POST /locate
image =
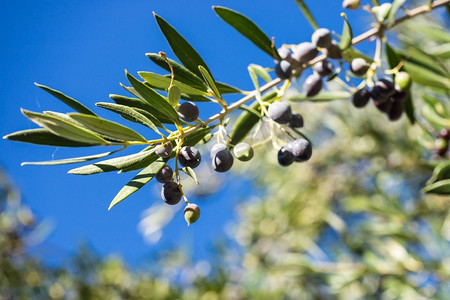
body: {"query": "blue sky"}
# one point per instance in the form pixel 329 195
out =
pixel 82 48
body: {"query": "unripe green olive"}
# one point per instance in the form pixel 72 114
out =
pixel 382 11
pixel 191 213
pixel 243 151
pixel 403 80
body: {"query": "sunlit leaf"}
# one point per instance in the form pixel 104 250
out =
pixel 70 160
pixel 439 187
pixel 396 4
pixel 108 128
pixel 174 95
pixel 427 77
pixel 195 137
pixel 440 172
pixel 130 112
pixel 433 118
pixel 210 81
pixel 143 107
pixel 41 136
pixel 227 89
pixel 153 98
pixel 162 83
pixel 64 129
pixel 188 171
pixel 347 34
pixel 181 48
pixel 261 72
pixel 67 100
pixel 141 179
pixel 324 96
pixel 307 13
pixel 247 28
pixel 113 164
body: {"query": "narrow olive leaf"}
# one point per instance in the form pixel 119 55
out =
pixel 113 164
pixel 41 136
pixel 210 82
pixel 433 118
pixel 63 128
pixel 188 171
pixel 141 179
pixel 307 13
pixel 441 187
pixel 248 119
pixel 162 83
pixel 143 107
pixel 227 89
pixel 347 34
pixel 195 137
pixel 130 112
pixel 261 72
pixel 142 164
pixel 440 34
pixel 440 51
pixel 180 47
pixel 427 77
pixel 324 96
pixel 350 54
pixel 174 95
pixel 440 172
pixel 181 73
pixel 247 28
pixel 67 100
pixel 154 99
pixel 108 128
pixel 421 58
pixel 396 5
pixel 70 160
pixel 394 59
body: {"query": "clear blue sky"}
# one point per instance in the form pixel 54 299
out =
pixel 82 48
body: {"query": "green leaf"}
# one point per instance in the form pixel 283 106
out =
pixel 248 119
pixel 227 89
pixel 441 187
pixel 108 128
pixel 347 34
pixel 396 4
pixel 307 13
pixel 182 73
pixel 67 100
pixel 261 72
pixel 432 32
pixel 324 96
pixel 71 160
pixel 427 77
pixel 247 28
pixel 419 57
pixel 63 128
pixel 433 118
pixel 174 95
pixel 188 171
pixel 394 59
pixel 195 137
pixel 440 172
pixel 113 164
pixel 210 82
pixel 141 179
pixel 154 99
pixel 162 83
pixel 180 47
pixel 41 136
pixel 440 51
pixel 132 113
pixel 143 107
pixel 144 163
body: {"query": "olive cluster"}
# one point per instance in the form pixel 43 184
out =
pixel 298 150
pixel 442 143
pixel 303 53
pixel 388 95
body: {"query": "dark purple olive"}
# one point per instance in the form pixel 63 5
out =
pixel 359 66
pixel 321 38
pixel 304 52
pixel 324 68
pixel 312 85
pixel 165 174
pixel 171 193
pixel 280 112
pixel 301 149
pixel 165 150
pixel 296 121
pixel 283 70
pixel 222 161
pixel 445 134
pixel 189 157
pixel 188 111
pixel 333 51
pixel 361 98
pixel 285 157
pixel 216 148
pixel 396 111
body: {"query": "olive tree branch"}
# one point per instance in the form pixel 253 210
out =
pixel 377 30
